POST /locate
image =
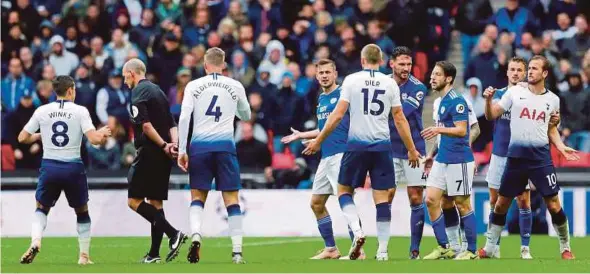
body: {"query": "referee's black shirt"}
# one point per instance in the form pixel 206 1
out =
pixel 150 104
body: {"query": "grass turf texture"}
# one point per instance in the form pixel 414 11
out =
pixel 122 254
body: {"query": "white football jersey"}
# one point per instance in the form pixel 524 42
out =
pixel 371 95
pixel 62 125
pixel 529 122
pixel 214 100
pixel 435 107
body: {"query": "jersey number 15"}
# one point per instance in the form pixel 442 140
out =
pixel 375 100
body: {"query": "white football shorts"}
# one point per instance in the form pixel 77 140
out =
pixel 453 179
pixel 404 173
pixel 326 177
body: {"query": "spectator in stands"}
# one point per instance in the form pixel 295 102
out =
pixel 236 13
pixel 515 19
pixel 574 48
pixel 264 15
pixel 241 69
pixel 26 155
pixel 119 48
pixel 176 92
pixel 167 59
pixel 566 30
pixel 86 91
pixel 111 100
pixel 290 43
pixel 472 17
pixel 142 33
pixel 74 9
pixel 524 50
pixel 292 112
pixel 303 34
pixel 168 10
pixel 72 42
pixel 484 65
pixel 40 45
pixel 575 108
pixel 26 57
pixel 197 32
pixel 15 40
pixel 62 60
pixel 99 23
pixel 45 94
pixel 227 30
pixel 30 15
pixel 253 154
pixel 348 59
pixel 15 85
pixel 273 61
pixel 375 32
pixel 473 93
pixel 48 72
pixel 268 93
pixel 105 156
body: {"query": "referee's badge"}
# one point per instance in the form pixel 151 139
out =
pixel 134 111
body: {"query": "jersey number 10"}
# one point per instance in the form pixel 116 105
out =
pixel 217 112
pixel 375 100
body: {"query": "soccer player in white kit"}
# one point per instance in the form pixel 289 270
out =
pixel 62 124
pixel 370 97
pixel 529 157
pixel 214 101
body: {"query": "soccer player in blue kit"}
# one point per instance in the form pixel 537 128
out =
pixel 370 97
pixel 528 156
pixel 325 181
pixel 412 93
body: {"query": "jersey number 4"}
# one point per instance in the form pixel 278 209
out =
pixel 375 100
pixel 217 112
pixel 60 137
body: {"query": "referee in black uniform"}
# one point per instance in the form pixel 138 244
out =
pixel 149 175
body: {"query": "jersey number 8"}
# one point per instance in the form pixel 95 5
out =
pixel 375 100
pixel 60 137
pixel 217 112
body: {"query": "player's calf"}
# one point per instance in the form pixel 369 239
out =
pixel 561 225
pixel 417 217
pixel 83 228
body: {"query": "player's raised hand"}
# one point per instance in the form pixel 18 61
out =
pixel 312 147
pixel 292 137
pixel 183 162
pixel 489 92
pixel 555 118
pixel 414 158
pixel 429 133
pixel 106 131
pixel 569 153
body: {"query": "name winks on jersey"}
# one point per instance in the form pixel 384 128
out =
pixel 60 114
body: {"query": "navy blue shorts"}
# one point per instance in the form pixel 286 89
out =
pixel 519 171
pixel 221 166
pixel 356 164
pixel 56 176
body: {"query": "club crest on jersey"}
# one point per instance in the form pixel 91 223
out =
pixel 333 101
pixel 460 108
pixel 442 110
pixel 404 96
pixel 526 114
pixel 419 95
pixel 547 106
pixel 134 111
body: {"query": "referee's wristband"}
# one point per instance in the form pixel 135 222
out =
pixel 163 145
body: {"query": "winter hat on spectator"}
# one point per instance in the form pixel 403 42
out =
pixel 56 39
pixel 289 74
pixel 46 24
pixel 116 73
pixel 183 71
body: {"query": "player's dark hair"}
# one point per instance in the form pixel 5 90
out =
pixel 62 83
pixel 448 69
pixel 518 59
pixel 323 62
pixel 399 51
pixel 546 64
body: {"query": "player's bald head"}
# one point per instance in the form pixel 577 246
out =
pixel 215 57
pixel 372 54
pixel 135 65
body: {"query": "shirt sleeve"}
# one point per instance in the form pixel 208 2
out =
pixel 86 121
pixel 506 100
pixel 345 91
pixel 395 96
pixel 413 102
pixel 460 111
pixel 244 112
pixel 186 110
pixel 140 110
pixel 33 125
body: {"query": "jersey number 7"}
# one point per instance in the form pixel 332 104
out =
pixel 217 112
pixel 375 100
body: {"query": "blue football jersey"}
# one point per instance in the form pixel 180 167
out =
pixel 501 129
pixel 412 95
pixel 336 142
pixel 452 150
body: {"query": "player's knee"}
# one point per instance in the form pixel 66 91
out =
pixel 81 209
pixel 553 204
pixel 317 207
pixel 464 207
pixel 523 201
pixel 415 196
pixel 133 203
pixel 432 201
pixel 502 204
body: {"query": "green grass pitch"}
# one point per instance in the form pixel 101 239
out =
pixel 284 255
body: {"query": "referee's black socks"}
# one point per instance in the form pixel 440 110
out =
pixel 150 213
pixel 157 235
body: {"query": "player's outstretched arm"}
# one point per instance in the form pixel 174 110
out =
pixel 98 137
pixel 492 110
pixel 25 137
pixel 297 135
pixel 569 153
pixel 244 111
pixel 402 126
pixel 333 121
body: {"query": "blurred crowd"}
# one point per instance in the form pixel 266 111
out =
pixel 271 47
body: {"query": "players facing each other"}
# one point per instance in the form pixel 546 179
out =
pixel 149 175
pixel 453 167
pixel 516 73
pixel 529 158
pixel 412 93
pixel 62 124
pixel 369 96
pixel 213 100
pixel 326 178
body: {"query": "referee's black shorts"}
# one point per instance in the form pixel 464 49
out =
pixel 149 174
